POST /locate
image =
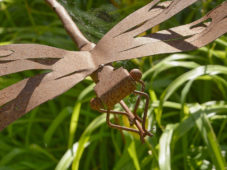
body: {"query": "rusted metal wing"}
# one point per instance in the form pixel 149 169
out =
pixel 122 44
pixel 67 68
pixel 21 57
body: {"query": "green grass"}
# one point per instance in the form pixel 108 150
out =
pixel 188 112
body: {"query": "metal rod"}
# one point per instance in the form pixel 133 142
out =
pixel 74 32
pixel 139 98
pixel 145 110
pixel 132 116
pixel 113 112
pixel 128 111
pixel 118 126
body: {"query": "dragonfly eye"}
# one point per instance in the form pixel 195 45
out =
pixel 136 74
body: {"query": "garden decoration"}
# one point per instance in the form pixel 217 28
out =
pixel 123 42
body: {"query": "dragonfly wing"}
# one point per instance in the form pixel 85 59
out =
pixel 128 45
pixel 32 92
pixel 147 17
pixel 21 57
pixel 20 98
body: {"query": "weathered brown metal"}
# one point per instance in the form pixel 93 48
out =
pixel 123 41
pixel 111 88
pixel 74 32
pixel 120 43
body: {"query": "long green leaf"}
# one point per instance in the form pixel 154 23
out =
pixel 165 148
pixel 133 155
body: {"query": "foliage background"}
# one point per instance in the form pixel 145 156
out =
pixel 188 93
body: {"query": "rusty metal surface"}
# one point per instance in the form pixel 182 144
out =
pixel 119 92
pixel 76 35
pixel 113 85
pixel 23 96
pixel 121 43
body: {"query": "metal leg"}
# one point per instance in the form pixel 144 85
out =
pixel 119 113
pixel 139 97
pixel 113 112
pixel 145 110
pixel 110 124
pixel 135 120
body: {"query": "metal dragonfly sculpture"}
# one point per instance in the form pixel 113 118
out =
pixel 122 42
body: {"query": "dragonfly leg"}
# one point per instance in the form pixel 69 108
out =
pixel 110 124
pixel 142 94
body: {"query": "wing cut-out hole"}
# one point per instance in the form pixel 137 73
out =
pixel 157 6
pixel 75 72
pixel 6 61
pixel 165 37
pixel 202 24
pixel 132 29
pixel 132 48
pixel 5 53
pixel 45 61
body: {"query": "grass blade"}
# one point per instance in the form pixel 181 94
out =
pixel 133 155
pixel 85 139
pixel 210 140
pixel 165 148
